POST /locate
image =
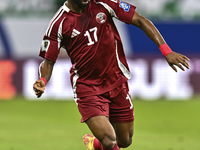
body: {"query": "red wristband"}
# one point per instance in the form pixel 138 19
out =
pixel 165 49
pixel 43 79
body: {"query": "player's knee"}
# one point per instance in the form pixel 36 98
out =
pixel 108 143
pixel 125 142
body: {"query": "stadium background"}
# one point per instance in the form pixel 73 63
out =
pixel 24 22
pixel 166 103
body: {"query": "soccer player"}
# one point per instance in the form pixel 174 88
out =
pixel 99 71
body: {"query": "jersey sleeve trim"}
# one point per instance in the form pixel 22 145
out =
pixel 53 21
pixel 110 10
pixel 60 36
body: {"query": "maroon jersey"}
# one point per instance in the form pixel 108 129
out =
pixel 93 44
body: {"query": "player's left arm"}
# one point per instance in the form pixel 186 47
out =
pixel 152 32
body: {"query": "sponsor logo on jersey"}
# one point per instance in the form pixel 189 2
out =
pixel 101 18
pixel 75 33
pixel 45 45
pixel 125 6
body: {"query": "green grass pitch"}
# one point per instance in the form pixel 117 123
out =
pixel 55 125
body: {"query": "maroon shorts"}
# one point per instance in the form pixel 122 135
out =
pixel 115 104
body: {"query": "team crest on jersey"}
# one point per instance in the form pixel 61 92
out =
pixel 101 18
pixel 125 6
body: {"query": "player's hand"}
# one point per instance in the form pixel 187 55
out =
pixel 39 87
pixel 178 60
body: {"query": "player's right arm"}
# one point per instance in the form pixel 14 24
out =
pixel 49 50
pixel 45 72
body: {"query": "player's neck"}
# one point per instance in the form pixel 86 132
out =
pixel 73 7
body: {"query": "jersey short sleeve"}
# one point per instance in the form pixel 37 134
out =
pixel 120 10
pixel 51 43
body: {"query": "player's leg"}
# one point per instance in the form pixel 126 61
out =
pixel 103 131
pixel 95 113
pixel 122 116
pixel 124 133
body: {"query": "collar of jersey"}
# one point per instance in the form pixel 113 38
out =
pixel 66 8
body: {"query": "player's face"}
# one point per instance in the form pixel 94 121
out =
pixel 82 3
